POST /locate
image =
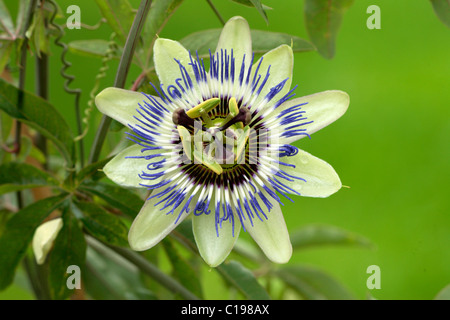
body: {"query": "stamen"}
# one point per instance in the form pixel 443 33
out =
pixel 203 108
pixel 241 143
pixel 209 162
pixel 243 116
pixel 233 107
pixel 179 117
pixel 185 137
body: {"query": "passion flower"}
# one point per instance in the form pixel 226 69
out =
pixel 215 144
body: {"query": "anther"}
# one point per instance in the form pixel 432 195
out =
pixel 243 116
pixel 179 117
pixel 203 108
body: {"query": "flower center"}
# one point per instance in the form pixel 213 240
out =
pixel 218 141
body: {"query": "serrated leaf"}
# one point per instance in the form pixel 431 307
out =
pixel 323 20
pixel 123 199
pixel 119 15
pixel 38 114
pixel 18 233
pixel 321 235
pixel 313 284
pixel 262 41
pixel 69 250
pixel 103 225
pixel 20 176
pixel 182 270
pixel 243 279
pixel 442 10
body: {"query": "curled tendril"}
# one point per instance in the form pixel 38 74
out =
pixel 66 64
pixel 109 55
pixel 69 78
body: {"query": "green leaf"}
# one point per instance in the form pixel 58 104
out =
pixel 20 176
pixel 4 216
pixel 6 23
pixel 249 3
pixel 69 250
pixel 21 16
pixel 184 234
pixel 321 235
pixel 323 19
pixel 262 41
pixel 109 276
pixel 103 225
pixel 18 233
pixel 256 4
pixel 444 294
pixel 6 48
pixel 96 48
pixel 38 114
pixel 119 15
pixel 160 12
pixel 182 270
pixel 93 171
pixel 243 279
pixel 6 124
pixel 7 43
pixel 313 284
pixel 37 33
pixel 123 199
pixel 442 10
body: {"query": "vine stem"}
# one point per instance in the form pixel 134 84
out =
pixel 32 273
pixel 22 72
pixel 145 266
pixel 216 12
pixel 121 75
pixel 42 81
pixel 139 81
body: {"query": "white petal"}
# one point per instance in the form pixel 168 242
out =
pixel 236 36
pixel 125 171
pixel 44 237
pixel 214 249
pixel 321 179
pixel 322 108
pixel 272 235
pixel 152 224
pixel 281 63
pixel 119 104
pixel 165 51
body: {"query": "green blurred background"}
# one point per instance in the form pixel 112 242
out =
pixel 391 148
